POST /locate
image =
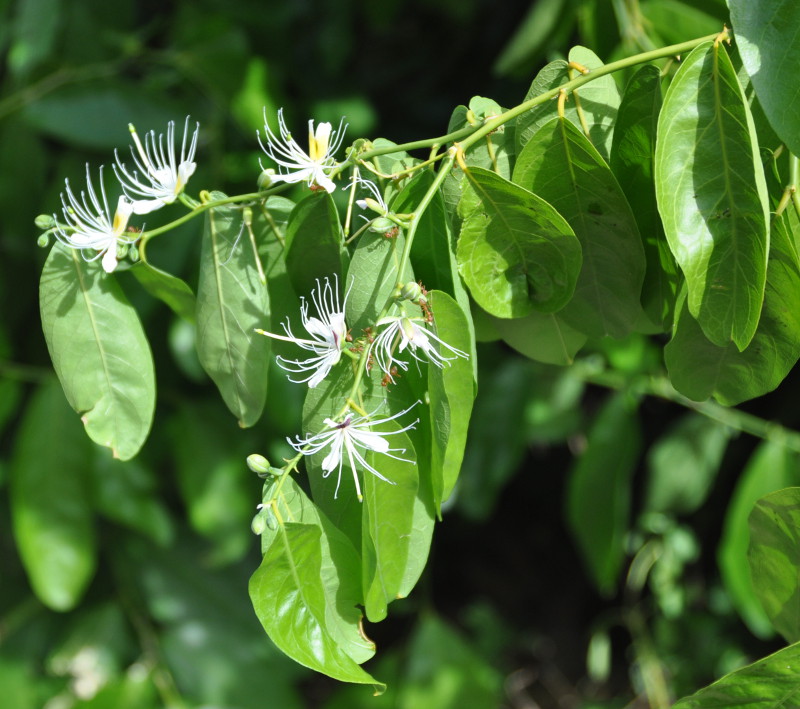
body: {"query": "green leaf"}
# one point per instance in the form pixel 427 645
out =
pixel 168 289
pixel 515 252
pixel 531 36
pixel 774 557
pixel 543 337
pixel 51 501
pixel 712 195
pixel 231 303
pixel 314 243
pixel 598 496
pixel 766 36
pixel 632 157
pixel 770 468
pixel 495 151
pixel 387 525
pixel 771 683
pixel 451 396
pixel 679 21
pixel 549 77
pixel 683 464
pixel 340 570
pixel 99 351
pixel 560 166
pixel 289 600
pixel 699 368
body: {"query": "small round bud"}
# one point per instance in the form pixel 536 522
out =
pixel 45 221
pixel 265 179
pixel 259 523
pixel 411 291
pixel 43 241
pixel 258 464
pixel 381 225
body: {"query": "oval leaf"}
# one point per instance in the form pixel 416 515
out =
pixel 232 302
pixel 712 195
pixel 515 252
pixel 168 289
pixel 99 351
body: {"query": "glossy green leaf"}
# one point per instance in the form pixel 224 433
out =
pixel 699 368
pixel 340 568
pixel 599 490
pixel 712 195
pixel 289 600
pixel 387 522
pixel 451 395
pixel 549 78
pixel 774 557
pixel 167 288
pixel 772 467
pixel 683 464
pixel 515 252
pixel 766 36
pixel 771 683
pixel 543 337
pixel 314 243
pixel 99 351
pixel 231 303
pixel 632 157
pixel 51 501
pixel 562 167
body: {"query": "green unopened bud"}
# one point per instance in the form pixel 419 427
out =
pixel 45 221
pixel 381 225
pixel 265 179
pixel 258 464
pixel 412 291
pixel 259 523
pixel 43 241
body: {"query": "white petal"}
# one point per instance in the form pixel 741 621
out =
pixel 110 259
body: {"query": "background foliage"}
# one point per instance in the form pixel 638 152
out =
pixel 548 583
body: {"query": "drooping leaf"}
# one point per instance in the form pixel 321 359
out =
pixel 766 36
pixel 532 35
pixel 289 600
pixel 598 496
pixel 774 557
pixel 231 303
pixel 99 351
pixel 632 157
pixel 314 243
pixel 51 501
pixel 451 395
pixel 767 684
pixel 167 288
pixel 712 195
pixel 515 252
pixel 770 468
pixel 699 369
pixel 560 165
pixel 543 337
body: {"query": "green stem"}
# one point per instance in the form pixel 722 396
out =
pixel 417 144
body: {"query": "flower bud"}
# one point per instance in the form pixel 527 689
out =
pixel 45 221
pixel 381 225
pixel 258 464
pixel 43 241
pixel 259 523
pixel 265 179
pixel 411 291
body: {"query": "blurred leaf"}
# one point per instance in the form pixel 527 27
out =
pixel 167 288
pixel 531 37
pixel 699 368
pixel 683 464
pixel 560 165
pixel 632 156
pixel 50 501
pixel 770 468
pixel 314 243
pixel 712 195
pixel 231 303
pixel 99 351
pixel 289 601
pixel 35 29
pixel 515 252
pixel 767 684
pixel 599 492
pixel 677 21
pixel 451 395
pixel 774 557
pixel 766 37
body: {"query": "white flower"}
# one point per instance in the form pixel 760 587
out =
pixel 163 178
pixel 311 167
pixel 346 437
pixel 328 332
pixel 404 332
pixel 89 225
